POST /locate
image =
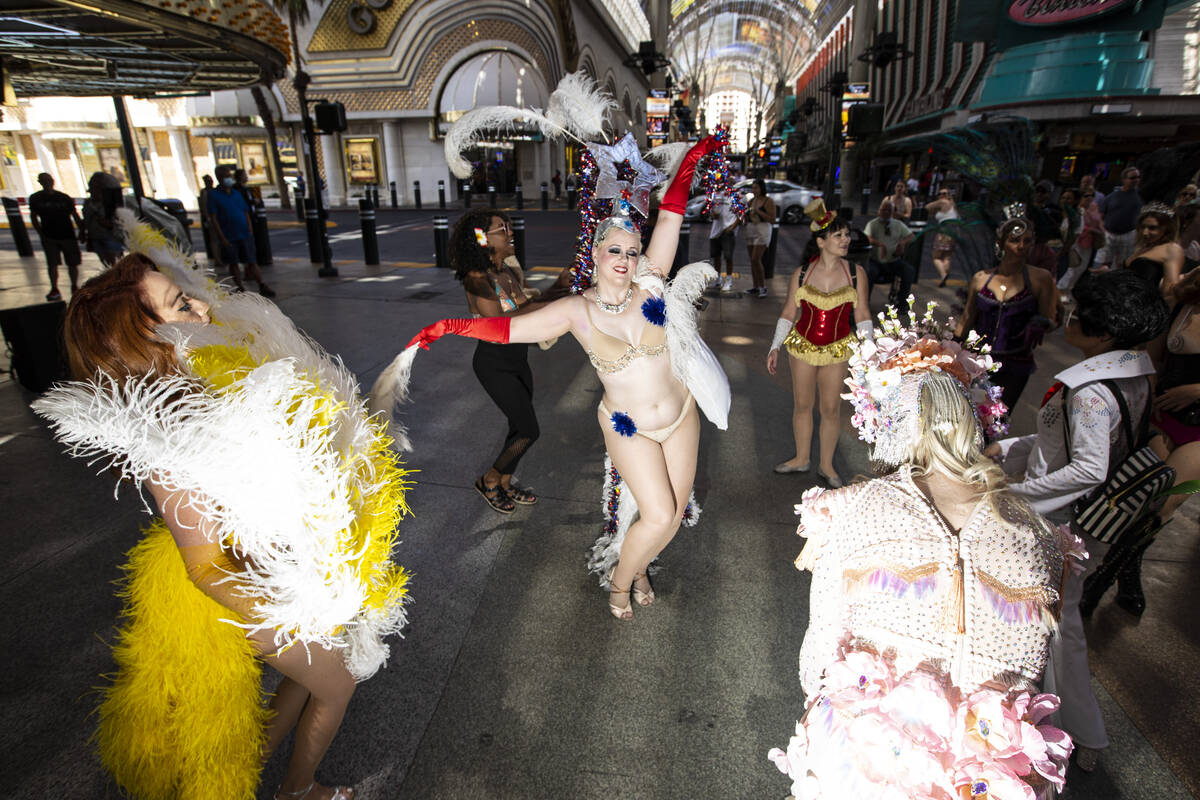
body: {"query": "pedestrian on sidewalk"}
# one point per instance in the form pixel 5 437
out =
pixel 721 239
pixel 889 237
pixel 99 218
pixel 942 209
pixel 60 228
pixel 826 304
pixel 902 204
pixel 1120 210
pixel 481 253
pixel 557 181
pixel 759 217
pixel 1079 435
pixel 229 217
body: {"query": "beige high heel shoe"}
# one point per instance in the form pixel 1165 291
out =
pixel 642 598
pixel 620 612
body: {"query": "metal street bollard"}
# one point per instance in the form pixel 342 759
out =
pixel 866 199
pixel 570 199
pixel 492 194
pixel 518 230
pixel 313 223
pixel 262 236
pixel 545 196
pixel 464 191
pixel 417 194
pixel 769 256
pixel 683 249
pixel 520 196
pixel 16 224
pixel 441 238
pixel 395 200
pixel 442 195
pixel 366 218
pixel 298 194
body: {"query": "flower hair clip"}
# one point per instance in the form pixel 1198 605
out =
pixel 481 237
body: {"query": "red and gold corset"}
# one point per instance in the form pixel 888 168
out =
pixel 824 330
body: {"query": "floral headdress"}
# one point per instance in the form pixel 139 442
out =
pixel 888 374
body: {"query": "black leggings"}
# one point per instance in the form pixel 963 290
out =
pixel 503 371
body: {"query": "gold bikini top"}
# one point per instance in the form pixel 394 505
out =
pixel 609 354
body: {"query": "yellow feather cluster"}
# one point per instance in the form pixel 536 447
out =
pixel 183 718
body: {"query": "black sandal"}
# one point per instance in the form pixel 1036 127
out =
pixel 520 495
pixel 496 497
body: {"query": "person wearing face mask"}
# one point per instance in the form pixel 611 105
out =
pixel 1012 306
pixel 648 413
pixel 481 252
pixel 229 218
pixel 826 306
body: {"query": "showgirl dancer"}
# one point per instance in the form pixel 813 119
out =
pixel 640 336
pixel 279 500
pixel 826 303
pixel 934 594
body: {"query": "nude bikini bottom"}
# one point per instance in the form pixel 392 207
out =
pixel 661 434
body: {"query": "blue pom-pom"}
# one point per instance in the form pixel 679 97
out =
pixel 655 310
pixel 623 424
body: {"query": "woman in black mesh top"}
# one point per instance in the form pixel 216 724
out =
pixel 481 251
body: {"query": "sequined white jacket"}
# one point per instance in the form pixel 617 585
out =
pixel 885 577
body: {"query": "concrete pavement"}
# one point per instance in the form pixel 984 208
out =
pixel 513 681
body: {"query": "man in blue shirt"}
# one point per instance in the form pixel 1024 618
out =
pixel 229 217
pixel 1120 211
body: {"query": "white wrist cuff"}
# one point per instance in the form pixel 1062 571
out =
pixel 865 329
pixel 782 326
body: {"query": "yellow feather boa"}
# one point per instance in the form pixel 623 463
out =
pixel 183 717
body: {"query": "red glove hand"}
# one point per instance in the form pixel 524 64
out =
pixel 676 197
pixel 489 329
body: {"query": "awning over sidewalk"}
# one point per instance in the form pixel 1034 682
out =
pixel 140 48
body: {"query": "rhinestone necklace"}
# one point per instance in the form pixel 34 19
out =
pixel 612 308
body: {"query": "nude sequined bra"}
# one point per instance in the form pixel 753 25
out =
pixel 609 354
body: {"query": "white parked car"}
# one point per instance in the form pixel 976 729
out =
pixel 790 198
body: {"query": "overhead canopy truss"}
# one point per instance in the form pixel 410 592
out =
pixel 139 48
pixel 751 46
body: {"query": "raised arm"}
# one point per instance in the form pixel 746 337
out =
pixel 665 239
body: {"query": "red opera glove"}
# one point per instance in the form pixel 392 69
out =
pixel 676 196
pixel 489 329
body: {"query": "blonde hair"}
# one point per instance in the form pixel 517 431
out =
pixel 948 438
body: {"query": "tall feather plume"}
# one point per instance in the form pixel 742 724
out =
pixel 579 106
pixel 391 390
pixel 473 125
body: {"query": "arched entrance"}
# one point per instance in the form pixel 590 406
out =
pixel 495 77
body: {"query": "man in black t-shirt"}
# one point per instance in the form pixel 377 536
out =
pixel 58 224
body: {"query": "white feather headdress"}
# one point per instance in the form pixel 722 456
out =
pixel 577 108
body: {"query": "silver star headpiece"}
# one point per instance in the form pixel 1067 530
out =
pixel 625 176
